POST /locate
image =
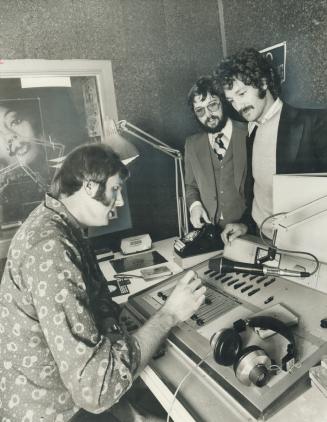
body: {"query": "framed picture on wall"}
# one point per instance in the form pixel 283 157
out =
pixel 47 108
pixel 277 54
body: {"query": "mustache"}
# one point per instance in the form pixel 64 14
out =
pixel 217 128
pixel 212 119
pixel 246 109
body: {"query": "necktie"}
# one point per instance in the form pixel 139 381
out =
pixel 249 147
pixel 249 182
pixel 219 147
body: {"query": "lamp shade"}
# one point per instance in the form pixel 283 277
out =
pixel 125 149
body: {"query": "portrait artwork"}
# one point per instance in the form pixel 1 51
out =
pixel 38 127
pixel 48 108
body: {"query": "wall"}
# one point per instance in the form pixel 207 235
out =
pixel 302 24
pixel 157 48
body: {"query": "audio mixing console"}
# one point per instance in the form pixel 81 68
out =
pixel 234 296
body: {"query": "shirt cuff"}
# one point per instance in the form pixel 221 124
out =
pixel 135 352
pixel 195 204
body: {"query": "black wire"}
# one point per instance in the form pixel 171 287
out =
pixel 276 249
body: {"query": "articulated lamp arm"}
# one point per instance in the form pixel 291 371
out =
pixel 124 126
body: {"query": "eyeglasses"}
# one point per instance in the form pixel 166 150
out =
pixel 213 107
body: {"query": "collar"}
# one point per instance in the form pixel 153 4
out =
pixel 226 131
pixel 273 109
pixel 59 208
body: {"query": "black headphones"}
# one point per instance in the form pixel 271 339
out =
pixel 251 364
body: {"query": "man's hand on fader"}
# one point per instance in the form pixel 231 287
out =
pixel 186 297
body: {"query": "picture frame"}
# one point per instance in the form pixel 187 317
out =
pixel 47 108
pixel 277 54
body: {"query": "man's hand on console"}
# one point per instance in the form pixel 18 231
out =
pixel 199 216
pixel 186 298
pixel 232 231
pixel 181 304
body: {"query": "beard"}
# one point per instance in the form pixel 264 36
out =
pixel 221 124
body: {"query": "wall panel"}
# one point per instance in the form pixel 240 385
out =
pixel 157 49
pixel 302 24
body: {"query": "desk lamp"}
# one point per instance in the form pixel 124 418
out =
pixel 128 152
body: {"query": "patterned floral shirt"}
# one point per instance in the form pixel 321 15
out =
pixel 61 348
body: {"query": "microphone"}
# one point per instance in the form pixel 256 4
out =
pixel 223 265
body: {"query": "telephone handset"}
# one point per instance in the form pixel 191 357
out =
pixel 199 241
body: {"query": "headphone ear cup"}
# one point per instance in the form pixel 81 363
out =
pixel 226 346
pixel 252 366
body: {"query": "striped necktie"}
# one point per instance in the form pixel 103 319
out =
pixel 219 147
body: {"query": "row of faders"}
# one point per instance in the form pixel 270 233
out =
pixel 245 287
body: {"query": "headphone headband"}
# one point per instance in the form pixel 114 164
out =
pixel 274 324
pixel 251 364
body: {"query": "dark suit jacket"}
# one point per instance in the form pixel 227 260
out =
pixel 199 175
pixel 301 146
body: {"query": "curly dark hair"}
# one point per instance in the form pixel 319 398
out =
pixel 250 67
pixel 203 86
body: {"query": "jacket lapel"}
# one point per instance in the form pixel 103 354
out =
pixel 202 152
pixel 239 155
pixel 289 138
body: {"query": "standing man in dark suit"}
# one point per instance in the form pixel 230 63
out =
pixel 281 139
pixel 215 160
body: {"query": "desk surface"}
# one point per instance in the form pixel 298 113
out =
pixel 200 401
pixel 164 247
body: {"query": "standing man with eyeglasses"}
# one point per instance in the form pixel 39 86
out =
pixel 215 160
